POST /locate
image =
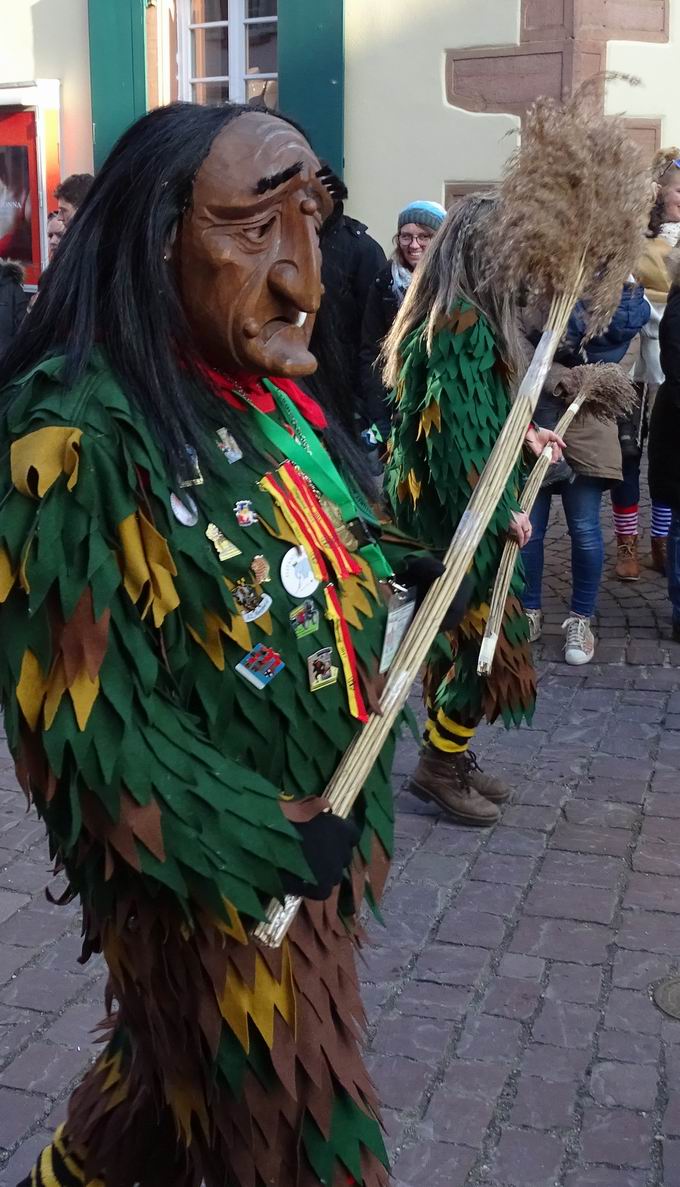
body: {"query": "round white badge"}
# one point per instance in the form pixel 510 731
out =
pixel 184 509
pixel 297 576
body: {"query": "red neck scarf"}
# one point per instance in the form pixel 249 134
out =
pixel 263 400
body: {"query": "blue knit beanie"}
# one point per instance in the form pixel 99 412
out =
pixel 426 214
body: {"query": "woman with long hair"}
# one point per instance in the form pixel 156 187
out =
pixel 192 616
pixel 453 355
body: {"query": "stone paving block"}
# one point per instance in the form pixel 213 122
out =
pixel 661 804
pixel 671 1117
pixel 41 989
pixel 653 893
pixel 629 1048
pixel 527 1159
pixel 639 970
pixel 557 900
pixel 511 997
pixel 574 983
pixel 462 1107
pixel 11 902
pixel 609 841
pixel 33 926
pixel 433 1164
pixel 580 870
pixel 500 867
pixel 415 1038
pixel 471 927
pixel 514 965
pixel 626 1085
pixel 451 964
pixel 565 1024
pixel 425 999
pixel 64 955
pixel 382 965
pixel 401 1082
pixel 490 1038
pixel 653 855
pixel 632 1011
pixel 671 1162
pixel 604 1176
pixel 11 959
pixel 613 791
pixel 555 1064
pixel 561 939
pixel 44 1068
pixel 450 840
pixel 74 1028
pixel 27 876
pixel 19 1111
pixel 650 931
pixel 440 869
pixel 518 842
pixel 617 1136
pixel 484 896
pixel 542 1104
pixel 595 814
pixel 534 817
pixel 22 1162
pixel 16 1026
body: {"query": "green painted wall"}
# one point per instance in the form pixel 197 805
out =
pixel 117 70
pixel 312 72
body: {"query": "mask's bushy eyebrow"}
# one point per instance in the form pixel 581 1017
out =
pixel 277 179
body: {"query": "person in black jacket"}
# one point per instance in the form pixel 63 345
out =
pixel 13 301
pixel 416 227
pixel 664 435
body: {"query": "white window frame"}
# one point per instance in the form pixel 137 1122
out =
pixel 236 78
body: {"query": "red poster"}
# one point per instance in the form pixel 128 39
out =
pixel 19 211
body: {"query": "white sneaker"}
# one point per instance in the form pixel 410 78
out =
pixel 579 646
pixel 535 619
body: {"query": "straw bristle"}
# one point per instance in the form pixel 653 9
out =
pixel 574 206
pixel 609 393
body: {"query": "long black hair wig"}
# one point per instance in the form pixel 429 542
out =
pixel 111 285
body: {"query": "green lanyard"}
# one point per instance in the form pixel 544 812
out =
pixel 317 464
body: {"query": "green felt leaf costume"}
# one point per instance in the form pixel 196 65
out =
pixel 159 772
pixel 451 405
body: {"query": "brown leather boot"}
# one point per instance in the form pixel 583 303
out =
pixel 443 779
pixel 659 554
pixel 627 563
pixel 489 786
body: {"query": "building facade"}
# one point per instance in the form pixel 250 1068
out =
pixel 413 100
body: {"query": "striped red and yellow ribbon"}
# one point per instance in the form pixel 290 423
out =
pixel 343 642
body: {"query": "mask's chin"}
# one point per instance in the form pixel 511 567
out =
pixel 284 353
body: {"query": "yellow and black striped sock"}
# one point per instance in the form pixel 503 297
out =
pixel 58 1166
pixel 446 735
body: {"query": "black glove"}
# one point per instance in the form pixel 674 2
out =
pixel 327 843
pixel 420 572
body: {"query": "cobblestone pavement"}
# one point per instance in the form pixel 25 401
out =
pixel 512 1032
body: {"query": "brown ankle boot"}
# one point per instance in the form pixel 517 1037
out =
pixel 627 563
pixel 659 554
pixel 444 780
pixel 489 786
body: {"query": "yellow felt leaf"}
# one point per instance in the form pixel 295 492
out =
pixel 7 575
pixel 259 1001
pixel 84 692
pixel 56 687
pixel 430 417
pixel 39 458
pixel 31 688
pixel 414 486
pixel 148 567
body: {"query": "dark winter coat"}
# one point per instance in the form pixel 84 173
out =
pixel 610 347
pixel 664 428
pixel 13 302
pixel 350 261
pixel 381 309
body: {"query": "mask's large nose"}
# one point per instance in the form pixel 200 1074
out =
pixel 296 276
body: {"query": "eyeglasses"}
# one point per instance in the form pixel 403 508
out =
pixel 422 240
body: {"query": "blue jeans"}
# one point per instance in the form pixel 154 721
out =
pixel 673 565
pixel 581 500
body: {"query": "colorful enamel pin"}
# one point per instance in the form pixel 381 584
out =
pixel 261 569
pixel 297 575
pixel 304 619
pixel 251 602
pixel 260 666
pixel 223 547
pixel 192 476
pixel 320 669
pixel 228 445
pixel 245 516
pixel 184 510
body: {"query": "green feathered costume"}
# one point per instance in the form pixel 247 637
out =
pixel 450 407
pixel 127 600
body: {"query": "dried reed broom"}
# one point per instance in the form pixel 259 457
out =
pixel 571 215
pixel 604 393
